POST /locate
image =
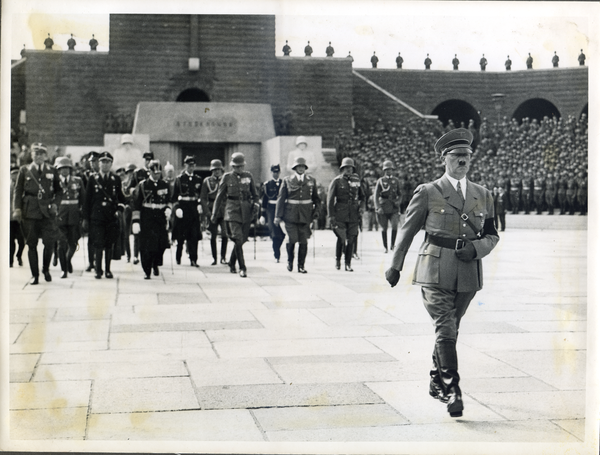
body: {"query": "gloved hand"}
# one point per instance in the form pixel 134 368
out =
pixel 135 227
pixel 262 220
pixel 17 215
pixel 392 276
pixel 467 252
pixel 121 207
pixel 200 209
pixel 85 224
pixel 380 211
pixel 53 209
pixel 179 213
pixel 168 213
pixel 277 221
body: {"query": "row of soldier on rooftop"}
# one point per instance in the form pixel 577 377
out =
pixel 71 43
pixel 329 51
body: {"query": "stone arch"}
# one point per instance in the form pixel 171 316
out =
pixel 458 111
pixel 536 108
pixel 193 95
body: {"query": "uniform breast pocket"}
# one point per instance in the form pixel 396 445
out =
pixel 478 216
pixel 442 217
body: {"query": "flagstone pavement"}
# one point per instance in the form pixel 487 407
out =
pixel 200 354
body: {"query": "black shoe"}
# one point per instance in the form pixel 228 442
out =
pixel 10 265
pixel 69 267
pixel 47 275
pixel 214 262
pixel 224 261
pixel 89 268
pixel 20 262
pixel 355 256
pixel 129 259
pixel 34 280
pixel 455 403
pixel 337 264
pixel 348 268
pixel 385 250
pixel 64 274
pixel 277 260
pixel 243 273
pixel 290 267
pixel 301 270
pixel 54 261
pixel 98 274
pixel 435 390
pixel 232 268
pixel 146 277
pixel 193 264
pixel 108 274
pixel 137 261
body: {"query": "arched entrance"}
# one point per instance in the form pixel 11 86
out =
pixel 460 112
pixel 192 95
pixel 536 108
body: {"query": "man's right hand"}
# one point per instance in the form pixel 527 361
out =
pixel 17 215
pixel 277 221
pixel 392 276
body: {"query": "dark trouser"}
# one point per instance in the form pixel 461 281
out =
pixel 275 232
pixel 549 198
pixel 346 247
pixel 150 260
pixel 571 202
pixel 136 245
pixel 67 244
pixel 500 220
pixel 127 231
pixel 582 201
pixel 188 231
pixel 238 233
pixel 34 230
pixel 373 220
pixel 527 203
pixel 539 201
pixel 562 203
pixel 104 234
pixel 393 219
pixel 213 228
pixel 16 238
pixel 514 202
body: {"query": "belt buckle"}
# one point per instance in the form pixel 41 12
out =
pixel 464 216
pixel 459 244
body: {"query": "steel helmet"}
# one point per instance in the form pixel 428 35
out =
pixel 301 140
pixel 299 161
pixel 388 164
pixel 237 159
pixel 63 161
pixel 216 164
pixel 347 162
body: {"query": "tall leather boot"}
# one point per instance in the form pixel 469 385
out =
pixel 240 257
pixel 448 368
pixel 394 233
pixel 107 259
pixel 348 255
pixel 98 262
pixel 339 246
pixel 223 248
pixel 435 381
pixel 302 250
pixel 233 260
pixel 384 239
pixel 290 253
pixel 213 248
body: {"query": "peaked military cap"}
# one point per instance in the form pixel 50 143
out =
pixel 275 168
pixel 189 159
pixel 105 156
pixel 39 147
pixel 148 156
pixel 93 156
pixel 14 169
pixel 458 138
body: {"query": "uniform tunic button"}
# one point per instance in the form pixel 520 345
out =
pixel 464 235
pixel 464 225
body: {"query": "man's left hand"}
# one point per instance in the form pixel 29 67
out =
pixel 466 253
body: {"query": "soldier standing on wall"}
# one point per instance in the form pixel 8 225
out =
pixel 287 49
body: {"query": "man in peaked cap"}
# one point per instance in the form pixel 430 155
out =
pixel 186 224
pixel 36 198
pixel 238 197
pixel 298 205
pixel 208 194
pixel 343 208
pixel 458 217
pixel 269 193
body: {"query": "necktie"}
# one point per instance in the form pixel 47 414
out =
pixel 460 193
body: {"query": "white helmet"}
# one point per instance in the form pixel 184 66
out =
pixel 301 140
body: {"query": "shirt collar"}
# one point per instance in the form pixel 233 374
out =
pixel 300 177
pixel 463 183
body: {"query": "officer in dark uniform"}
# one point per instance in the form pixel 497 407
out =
pixel 269 193
pixel 69 213
pixel 539 186
pixel 550 193
pixel 571 193
pixel 455 63
pixel 515 193
pixel 458 217
pixel 151 208
pixel 500 207
pixel 103 198
pixel 36 199
pixel 388 195
pixel 529 62
pixel 374 60
pixel 399 61
pixel 237 194
pixel 343 208
pixel 287 49
pixel 483 62
pixel 71 43
pixel 297 205
pixel 93 43
pixel 186 225
pixel 527 192
pixel 139 175
pixel 308 50
pixel 329 51
pixel 427 62
pixel 582 192
pixel 508 63
pixel 208 194
pixel 555 60
pixel 16 231
pixel 93 167
pixel 561 192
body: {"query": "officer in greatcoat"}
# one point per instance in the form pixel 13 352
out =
pixel 582 192
pixel 458 217
pixel 69 213
pixel 527 192
pixel 297 205
pixel 269 193
pixel 343 208
pixel 571 193
pixel 16 231
pixel 238 195
pixel 186 224
pixel 208 194
pixel 550 192
pixel 388 194
pixel 36 198
pixel 151 209
pixel 103 198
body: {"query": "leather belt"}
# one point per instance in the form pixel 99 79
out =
pixel 69 202
pixel 150 205
pixel 443 242
pixel 187 198
pixel 296 201
pixel 272 201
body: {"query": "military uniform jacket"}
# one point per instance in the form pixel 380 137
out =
pixel 150 199
pixel 270 191
pixel 515 185
pixel 343 199
pixel 298 201
pixel 438 212
pixel 102 197
pixel 69 210
pixel 186 193
pixel 208 194
pixel 36 190
pixel 237 194
pixel 388 194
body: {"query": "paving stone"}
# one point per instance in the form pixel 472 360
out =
pixel 186 326
pixel 258 348
pixel 349 358
pixel 64 332
pixel 284 395
pixel 367 315
pixel 574 426
pixel 535 405
pixel 552 326
pixel 471 384
pixel 14 331
pixel 269 280
pixel 140 298
pixel 125 355
pixel 80 371
pixel 215 372
pixel 172 298
pixel 55 394
pixel 81 314
pixel 143 395
pixel 95 298
pixel 53 423
pixel 288 319
pixel 288 333
pixel 533 341
pixel 58 346
pixel 159 340
pixel 293 304
pixel 229 425
pixel 329 417
pixel 21 366
pixel 27 315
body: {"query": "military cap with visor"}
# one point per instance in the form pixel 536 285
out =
pixel 455 140
pixel 104 156
pixel 93 156
pixel 148 156
pixel 189 160
pixel 275 168
pixel 39 147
